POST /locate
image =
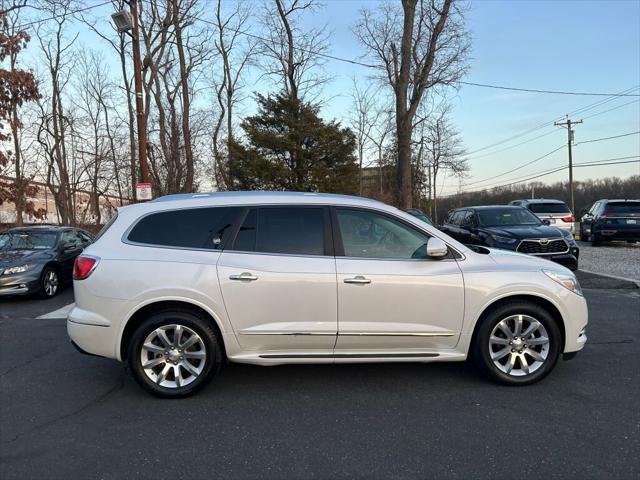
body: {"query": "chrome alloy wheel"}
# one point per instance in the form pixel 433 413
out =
pixel 519 345
pixel 173 356
pixel 50 283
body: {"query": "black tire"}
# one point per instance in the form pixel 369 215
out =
pixel 191 320
pixel 46 291
pixel 582 239
pixel 481 348
pixel 595 240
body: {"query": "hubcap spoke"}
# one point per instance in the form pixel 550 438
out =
pixel 162 335
pixel 163 374
pixel 177 335
pixel 198 354
pixel 499 340
pixel 538 341
pixel 535 355
pixel 177 375
pixel 518 327
pixel 505 329
pixel 154 363
pixel 500 353
pixel 525 364
pixel 153 348
pixel 190 341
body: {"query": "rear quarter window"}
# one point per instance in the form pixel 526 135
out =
pixel 207 228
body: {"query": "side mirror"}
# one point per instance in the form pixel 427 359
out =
pixel 546 221
pixel 70 246
pixel 436 248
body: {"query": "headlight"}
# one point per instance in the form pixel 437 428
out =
pixel 18 269
pixel 500 239
pixel 567 280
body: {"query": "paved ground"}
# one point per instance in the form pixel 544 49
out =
pixel 65 415
pixel 613 258
pixel 31 307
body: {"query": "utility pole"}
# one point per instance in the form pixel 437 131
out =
pixel 567 124
pixel 137 73
pixel 126 21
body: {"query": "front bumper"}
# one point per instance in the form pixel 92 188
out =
pixel 20 283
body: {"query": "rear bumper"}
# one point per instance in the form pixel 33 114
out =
pixel 91 334
pixel 617 232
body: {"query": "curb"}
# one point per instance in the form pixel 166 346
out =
pixel 615 277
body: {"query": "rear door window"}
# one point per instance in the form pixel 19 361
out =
pixel 549 208
pixel 283 230
pixel 207 228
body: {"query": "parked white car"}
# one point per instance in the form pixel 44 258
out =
pixel 555 212
pixel 179 285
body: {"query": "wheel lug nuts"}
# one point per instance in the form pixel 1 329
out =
pixel 181 358
pixel 513 350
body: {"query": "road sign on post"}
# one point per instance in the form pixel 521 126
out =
pixel 143 191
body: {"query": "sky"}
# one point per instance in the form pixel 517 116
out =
pixel 578 46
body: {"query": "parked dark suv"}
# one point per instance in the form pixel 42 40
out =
pixel 39 259
pixel 611 220
pixel 512 228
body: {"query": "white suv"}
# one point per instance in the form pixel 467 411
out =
pixel 555 212
pixel 180 285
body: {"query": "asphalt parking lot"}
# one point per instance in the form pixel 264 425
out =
pixel 65 415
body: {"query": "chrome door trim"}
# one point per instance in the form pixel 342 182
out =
pixel 397 334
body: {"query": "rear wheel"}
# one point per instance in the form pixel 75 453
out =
pixel 49 283
pixel 595 240
pixel 174 354
pixel 517 344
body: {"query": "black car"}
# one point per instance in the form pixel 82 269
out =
pixel 39 259
pixel 416 212
pixel 512 228
pixel 611 220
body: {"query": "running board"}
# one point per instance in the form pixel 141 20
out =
pixel 354 355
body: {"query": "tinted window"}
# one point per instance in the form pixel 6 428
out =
pixel 549 208
pixel 288 230
pixel 187 228
pixel 372 235
pixel 458 217
pixel 623 208
pixel 506 217
pixel 468 219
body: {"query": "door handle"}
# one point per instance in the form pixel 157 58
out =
pixel 357 279
pixel 243 276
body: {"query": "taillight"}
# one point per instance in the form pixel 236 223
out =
pixel 569 219
pixel 608 214
pixel 84 266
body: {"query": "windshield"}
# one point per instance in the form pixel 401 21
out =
pixel 507 217
pixel 27 240
pixel 549 208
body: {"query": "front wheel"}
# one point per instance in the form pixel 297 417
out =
pixel 173 354
pixel 517 344
pixel 49 283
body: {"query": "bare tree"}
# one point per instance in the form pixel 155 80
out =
pixel 291 53
pixel 417 47
pixel 444 152
pixel 236 54
pixel 54 123
pixel 363 118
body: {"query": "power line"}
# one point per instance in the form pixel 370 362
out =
pixel 611 109
pixel 555 92
pixel 550 123
pixel 533 176
pixel 608 138
pixel 519 167
pixel 55 17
